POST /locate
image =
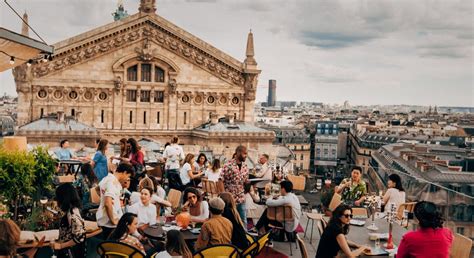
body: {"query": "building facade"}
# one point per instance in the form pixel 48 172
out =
pixel 140 76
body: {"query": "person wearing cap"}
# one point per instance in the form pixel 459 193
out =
pixel 217 230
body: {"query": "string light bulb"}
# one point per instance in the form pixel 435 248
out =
pixel 12 60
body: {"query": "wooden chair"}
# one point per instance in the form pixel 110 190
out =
pixel 66 179
pixel 314 217
pixel 218 251
pixel 156 172
pixel 304 252
pixel 409 206
pixel 461 247
pixel 359 213
pixel 174 197
pixel 209 188
pixel 112 249
pixel 335 201
pixel 282 214
pixel 299 182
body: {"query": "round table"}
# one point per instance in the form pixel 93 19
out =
pixel 157 232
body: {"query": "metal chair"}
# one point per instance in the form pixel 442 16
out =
pixel 304 252
pixel 112 249
pixel 217 251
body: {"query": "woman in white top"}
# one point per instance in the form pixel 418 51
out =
pixel 213 173
pixel 158 197
pixel 145 211
pixel 395 193
pixel 195 205
pixel 254 210
pixel 188 178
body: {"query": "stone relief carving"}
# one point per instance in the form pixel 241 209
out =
pixel 164 38
pixel 172 85
pixel 118 84
pixel 146 53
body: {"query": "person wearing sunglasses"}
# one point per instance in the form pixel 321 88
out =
pixel 334 239
pixel 192 202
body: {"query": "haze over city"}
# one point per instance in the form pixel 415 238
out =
pixel 366 52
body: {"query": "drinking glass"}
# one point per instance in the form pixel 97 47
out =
pixel 377 243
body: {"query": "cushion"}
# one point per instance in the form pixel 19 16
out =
pixel 91 226
pixel 26 237
pixel 49 235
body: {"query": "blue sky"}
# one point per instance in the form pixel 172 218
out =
pixel 366 52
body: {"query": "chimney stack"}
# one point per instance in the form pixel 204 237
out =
pixel 214 118
pixel 78 115
pixel 271 100
pixel 60 116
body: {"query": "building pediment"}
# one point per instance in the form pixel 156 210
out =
pixel 152 29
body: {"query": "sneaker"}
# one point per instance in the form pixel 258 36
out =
pixel 252 230
pixel 270 244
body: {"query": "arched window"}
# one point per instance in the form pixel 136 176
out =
pixel 146 72
pixel 132 73
pixel 159 74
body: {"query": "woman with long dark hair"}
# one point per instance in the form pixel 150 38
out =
pixel 200 165
pixel 194 203
pixel 214 172
pixel 230 212
pixel 395 194
pixel 135 155
pixel 72 232
pixel 99 162
pixel 334 239
pixel 84 182
pixel 431 239
pixel 175 246
pixel 126 230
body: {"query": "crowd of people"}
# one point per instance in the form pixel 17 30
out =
pixel 131 201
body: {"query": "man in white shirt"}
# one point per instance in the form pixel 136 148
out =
pixel 264 173
pixel 173 154
pixel 286 198
pixel 110 210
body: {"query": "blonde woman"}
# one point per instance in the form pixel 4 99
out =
pixel 230 212
pixel 188 178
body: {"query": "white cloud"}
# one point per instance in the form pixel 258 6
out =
pixel 364 51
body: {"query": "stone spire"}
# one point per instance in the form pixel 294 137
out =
pixel 24 26
pixel 250 62
pixel 147 6
pixel 120 13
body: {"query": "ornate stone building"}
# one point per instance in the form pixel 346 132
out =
pixel 140 76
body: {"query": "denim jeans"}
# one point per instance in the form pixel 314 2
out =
pixel 241 208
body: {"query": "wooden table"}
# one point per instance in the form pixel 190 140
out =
pixel 360 234
pixel 157 232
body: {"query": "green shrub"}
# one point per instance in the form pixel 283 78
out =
pixel 17 175
pixel 45 167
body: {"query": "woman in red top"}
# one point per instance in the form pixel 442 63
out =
pixel 431 240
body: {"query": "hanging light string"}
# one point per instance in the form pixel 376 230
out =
pixel 19 16
pixel 44 58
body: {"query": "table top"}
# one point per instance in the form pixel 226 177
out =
pixel 360 234
pixel 72 161
pixel 302 200
pixel 258 179
pixel 157 232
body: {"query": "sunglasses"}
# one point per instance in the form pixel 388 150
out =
pixel 347 216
